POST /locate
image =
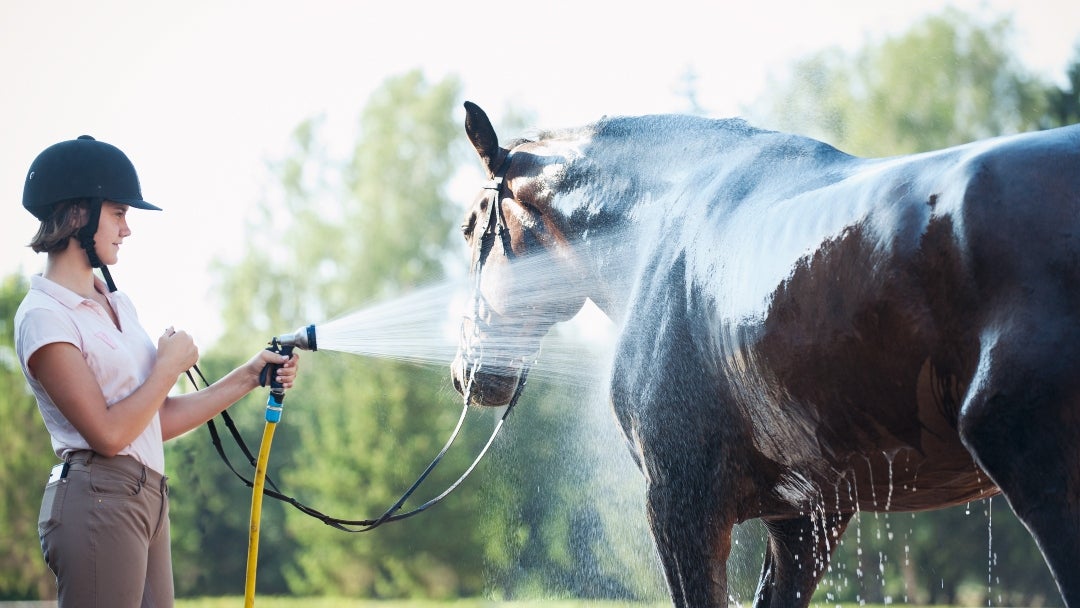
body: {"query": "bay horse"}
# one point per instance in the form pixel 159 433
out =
pixel 804 334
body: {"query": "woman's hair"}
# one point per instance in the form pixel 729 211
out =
pixel 66 218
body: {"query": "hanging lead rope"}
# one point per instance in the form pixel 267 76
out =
pixel 495 228
pixel 359 525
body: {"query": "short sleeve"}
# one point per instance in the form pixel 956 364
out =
pixel 38 327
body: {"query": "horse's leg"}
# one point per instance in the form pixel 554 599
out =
pixel 693 546
pixel 685 436
pixel 688 500
pixel 1021 421
pixel 796 558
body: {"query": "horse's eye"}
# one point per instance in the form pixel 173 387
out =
pixel 468 226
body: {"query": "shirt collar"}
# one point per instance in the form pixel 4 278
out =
pixel 62 294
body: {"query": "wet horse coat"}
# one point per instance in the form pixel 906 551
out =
pixel 804 334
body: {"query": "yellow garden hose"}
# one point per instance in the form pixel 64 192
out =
pixel 256 512
pixel 274 407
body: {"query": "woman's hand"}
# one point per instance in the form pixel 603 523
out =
pixel 286 371
pixel 176 352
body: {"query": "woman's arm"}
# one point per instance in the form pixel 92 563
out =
pixel 182 413
pixel 71 385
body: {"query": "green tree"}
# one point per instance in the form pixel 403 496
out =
pixel 388 234
pixel 948 80
pixel 1064 102
pixel 209 506
pixel 27 458
pixel 356 432
pixel 564 513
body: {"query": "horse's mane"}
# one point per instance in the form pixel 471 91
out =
pixel 635 155
pixel 622 126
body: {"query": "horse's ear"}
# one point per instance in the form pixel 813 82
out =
pixel 482 135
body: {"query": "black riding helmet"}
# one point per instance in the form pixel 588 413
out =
pixel 82 168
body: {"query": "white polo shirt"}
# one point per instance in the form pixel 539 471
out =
pixel 121 359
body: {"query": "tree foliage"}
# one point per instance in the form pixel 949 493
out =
pixel 565 512
pixel 949 80
pixel 387 233
pixel 1063 104
pixel 27 458
pixel 356 432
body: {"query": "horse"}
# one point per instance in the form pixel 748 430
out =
pixel 803 333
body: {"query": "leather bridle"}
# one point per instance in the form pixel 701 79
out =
pixel 494 228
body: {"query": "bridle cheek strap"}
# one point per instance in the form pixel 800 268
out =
pixel 496 222
pixel 494 227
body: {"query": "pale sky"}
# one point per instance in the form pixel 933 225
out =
pixel 201 94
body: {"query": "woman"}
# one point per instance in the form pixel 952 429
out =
pixel 103 388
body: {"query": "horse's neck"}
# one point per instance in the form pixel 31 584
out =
pixel 621 169
pixel 631 186
pixel 605 219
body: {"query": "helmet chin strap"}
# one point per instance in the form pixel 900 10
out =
pixel 86 239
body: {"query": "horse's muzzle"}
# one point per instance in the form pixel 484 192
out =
pixel 489 386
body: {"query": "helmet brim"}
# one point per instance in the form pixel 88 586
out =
pixel 136 203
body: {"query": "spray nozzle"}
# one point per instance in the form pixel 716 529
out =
pixel 303 338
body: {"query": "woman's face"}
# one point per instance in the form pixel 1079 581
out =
pixel 112 229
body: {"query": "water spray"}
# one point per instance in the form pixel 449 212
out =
pixel 304 338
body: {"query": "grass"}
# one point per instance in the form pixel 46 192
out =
pixel 322 602
pixel 290 602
